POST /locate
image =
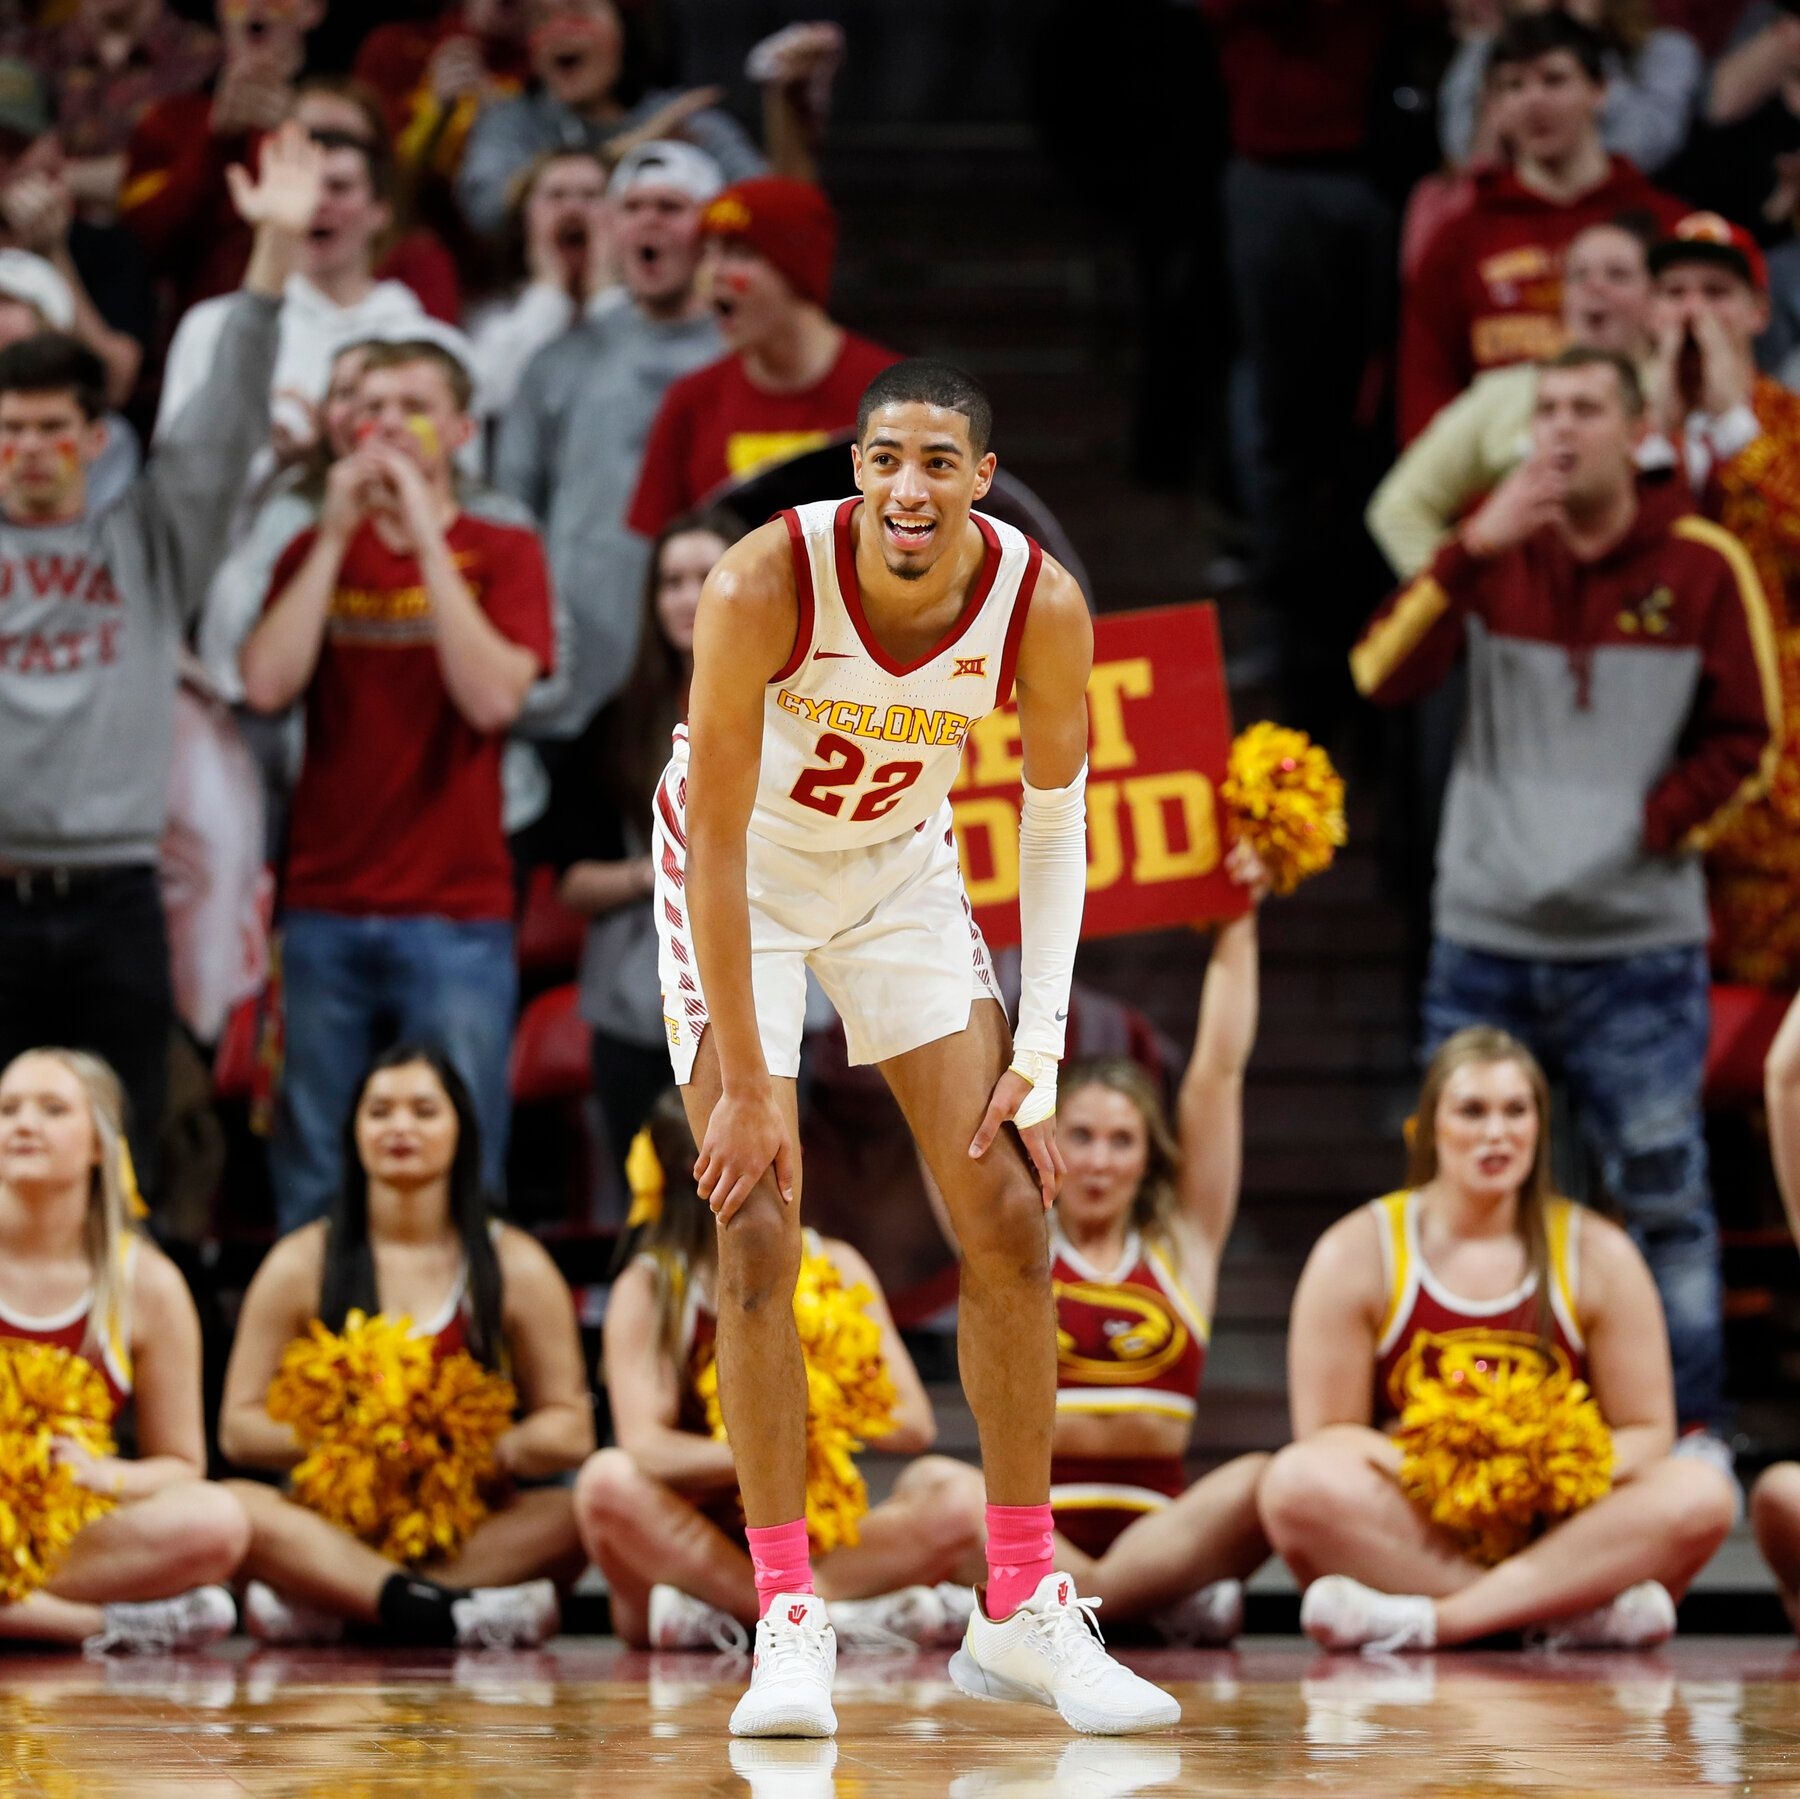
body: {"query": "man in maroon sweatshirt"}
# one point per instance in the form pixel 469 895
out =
pixel 1488 290
pixel 1623 701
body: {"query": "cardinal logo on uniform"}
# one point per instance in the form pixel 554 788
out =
pixel 1139 1344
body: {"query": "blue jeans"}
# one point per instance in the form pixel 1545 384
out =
pixel 352 987
pixel 1628 1036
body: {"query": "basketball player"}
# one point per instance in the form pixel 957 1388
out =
pixel 841 655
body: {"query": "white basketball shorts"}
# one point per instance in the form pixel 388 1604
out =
pixel 886 928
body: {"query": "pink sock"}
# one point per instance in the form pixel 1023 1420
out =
pixel 1020 1553
pixel 782 1560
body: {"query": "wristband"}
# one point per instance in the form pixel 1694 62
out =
pixel 1040 1102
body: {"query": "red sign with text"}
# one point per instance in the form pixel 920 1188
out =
pixel 1159 733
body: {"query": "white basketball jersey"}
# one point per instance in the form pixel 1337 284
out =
pixel 858 748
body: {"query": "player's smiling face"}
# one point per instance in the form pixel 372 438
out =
pixel 919 475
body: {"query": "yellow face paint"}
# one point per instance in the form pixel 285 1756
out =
pixel 427 434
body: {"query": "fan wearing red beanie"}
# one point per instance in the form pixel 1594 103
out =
pixel 791 379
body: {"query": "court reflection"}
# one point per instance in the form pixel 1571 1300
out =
pixel 590 1721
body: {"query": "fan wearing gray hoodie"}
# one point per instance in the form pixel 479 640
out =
pixel 94 606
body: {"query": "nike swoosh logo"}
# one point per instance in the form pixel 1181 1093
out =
pixel 834 655
pixel 1064 1013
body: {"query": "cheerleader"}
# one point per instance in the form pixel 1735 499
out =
pixel 1480 1256
pixel 659 1513
pixel 76 1274
pixel 1775 1500
pixel 411 1234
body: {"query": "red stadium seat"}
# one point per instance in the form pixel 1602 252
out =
pixel 549 933
pixel 1744 1023
pixel 550 1049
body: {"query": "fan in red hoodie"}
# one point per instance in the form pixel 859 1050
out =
pixel 1488 290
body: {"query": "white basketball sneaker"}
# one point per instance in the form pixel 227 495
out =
pixel 518 1617
pixel 271 1618
pixel 680 1621
pixel 904 1619
pixel 1050 1652
pixel 190 1620
pixel 959 1605
pixel 1215 1614
pixel 790 1672
pixel 1340 1613
pixel 1639 1618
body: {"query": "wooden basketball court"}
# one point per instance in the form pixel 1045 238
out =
pixel 587 1720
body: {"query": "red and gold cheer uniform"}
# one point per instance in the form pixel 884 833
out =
pixel 69 1330
pixel 1424 1320
pixel 1129 1341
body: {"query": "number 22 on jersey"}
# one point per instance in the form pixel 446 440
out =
pixel 825 785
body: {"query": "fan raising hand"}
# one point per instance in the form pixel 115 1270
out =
pixel 284 194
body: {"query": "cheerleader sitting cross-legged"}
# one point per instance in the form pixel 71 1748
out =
pixel 1479 1280
pixel 95 1320
pixel 411 1236
pixel 660 1513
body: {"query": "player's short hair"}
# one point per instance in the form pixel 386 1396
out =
pixel 51 362
pixel 1536 34
pixel 381 355
pixel 922 380
pixel 1586 356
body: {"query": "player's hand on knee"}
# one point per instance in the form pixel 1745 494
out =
pixel 1010 1092
pixel 746 1136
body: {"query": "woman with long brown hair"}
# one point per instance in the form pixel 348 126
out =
pixel 77 1275
pixel 1480 1254
pixel 411 1235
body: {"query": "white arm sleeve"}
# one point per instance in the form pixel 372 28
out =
pixel 1052 891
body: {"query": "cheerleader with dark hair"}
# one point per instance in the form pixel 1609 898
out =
pixel 411 1234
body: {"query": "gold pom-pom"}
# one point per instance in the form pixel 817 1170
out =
pixel 45 1393
pixel 399 1443
pixel 1284 799
pixel 1497 1447
pixel 850 1398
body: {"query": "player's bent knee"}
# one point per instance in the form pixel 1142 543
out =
pixel 1006 1227
pixel 759 1254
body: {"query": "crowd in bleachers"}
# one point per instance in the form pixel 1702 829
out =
pixel 366 435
